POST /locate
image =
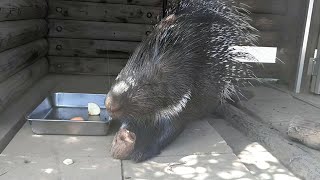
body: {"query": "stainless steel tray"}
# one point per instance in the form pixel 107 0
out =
pixel 53 115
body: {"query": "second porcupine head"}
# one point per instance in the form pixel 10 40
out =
pixel 189 50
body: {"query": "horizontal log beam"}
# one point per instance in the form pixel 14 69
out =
pixel 22 9
pixel 82 65
pixel 103 12
pixel 13 60
pixel 16 85
pixel 98 30
pixel 91 48
pixel 16 33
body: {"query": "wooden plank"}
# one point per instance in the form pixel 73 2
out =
pixel 266 70
pixel 91 48
pixel 103 12
pixel 268 22
pixel 16 33
pixel 22 9
pixel 16 85
pixel 313 40
pixel 81 65
pixel 98 30
pixel 133 14
pixel 271 39
pixel 13 60
pixel 136 2
pixel 265 6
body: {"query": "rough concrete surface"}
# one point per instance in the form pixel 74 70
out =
pixel 199 153
pixel 261 163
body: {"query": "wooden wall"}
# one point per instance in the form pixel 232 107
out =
pixel 97 37
pixel 23 46
pixel 281 24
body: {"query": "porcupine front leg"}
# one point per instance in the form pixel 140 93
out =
pixel 135 141
pixel 150 143
pixel 140 142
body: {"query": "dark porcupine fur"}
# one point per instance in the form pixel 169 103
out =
pixel 184 69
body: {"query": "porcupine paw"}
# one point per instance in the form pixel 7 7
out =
pixel 145 153
pixel 123 144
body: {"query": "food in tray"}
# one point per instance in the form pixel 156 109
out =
pixel 93 109
pixel 77 118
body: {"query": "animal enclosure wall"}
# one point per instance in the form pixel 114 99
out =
pixel 23 46
pixel 96 37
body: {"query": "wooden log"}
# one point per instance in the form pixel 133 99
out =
pixel 268 22
pixel 16 33
pixel 255 6
pixel 98 30
pixel 265 6
pixel 91 48
pixel 103 12
pixel 265 70
pixel 22 9
pixel 306 132
pixel 271 39
pixel 300 162
pixel 80 65
pixel 13 60
pixel 136 2
pixel 16 85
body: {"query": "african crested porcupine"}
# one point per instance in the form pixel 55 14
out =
pixel 184 69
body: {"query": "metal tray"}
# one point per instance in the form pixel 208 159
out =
pixel 53 115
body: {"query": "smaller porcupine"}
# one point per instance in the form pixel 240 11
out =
pixel 184 69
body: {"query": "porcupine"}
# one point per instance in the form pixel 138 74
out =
pixel 183 70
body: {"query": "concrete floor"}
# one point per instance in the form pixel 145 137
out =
pixel 278 108
pixel 199 153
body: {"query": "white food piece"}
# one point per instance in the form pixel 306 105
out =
pixel 68 162
pixel 93 109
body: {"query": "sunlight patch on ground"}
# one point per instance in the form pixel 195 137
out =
pixel 263 164
pixel 71 140
pixel 48 170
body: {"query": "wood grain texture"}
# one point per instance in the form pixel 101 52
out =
pixel 16 33
pixel 16 85
pixel 98 30
pixel 103 12
pixel 271 39
pixel 81 65
pixel 13 60
pixel 265 6
pixel 91 48
pixel 137 2
pixel 22 9
pixel 306 132
pixel 268 22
